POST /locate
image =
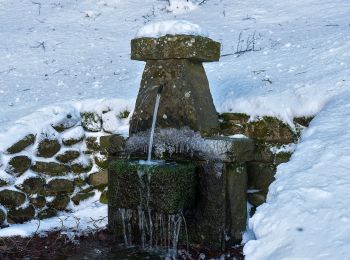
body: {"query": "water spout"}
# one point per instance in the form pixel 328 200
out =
pixel 154 120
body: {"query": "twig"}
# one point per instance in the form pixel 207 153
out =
pixel 40 44
pixel 39 6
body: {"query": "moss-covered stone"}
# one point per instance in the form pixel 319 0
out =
pixel 47 213
pixel 2 216
pixel 82 196
pixel 66 122
pixel 104 197
pixel 33 185
pixel 172 187
pixel 91 121
pixel 17 165
pixel 98 179
pixel 282 157
pixel 48 147
pixel 60 202
pixel 68 156
pixel 73 136
pixel 112 144
pixel 12 198
pixel 78 182
pixel 192 47
pixel 39 201
pixel 123 114
pixel 3 183
pixel 92 143
pixel 101 161
pixel 50 168
pixel 21 144
pixel 79 167
pixel 303 121
pixel 20 215
pixel 260 175
pixel 257 198
pixel 59 186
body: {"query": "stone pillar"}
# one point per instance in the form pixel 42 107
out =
pixel 176 63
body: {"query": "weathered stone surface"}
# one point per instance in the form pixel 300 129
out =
pixel 73 136
pixel 101 161
pixel 79 167
pixel 2 217
pixel 20 215
pixel 11 198
pixel 39 202
pixel 82 196
pixel 47 213
pixel 33 185
pixel 92 143
pixel 282 157
pixel 112 144
pixel 67 121
pixel 266 129
pixel 78 182
pixel 303 121
pixel 48 148
pixel 18 165
pixel 50 168
pixel 260 175
pixel 192 47
pixel 59 186
pixel 21 144
pixel 60 202
pixel 172 188
pixel 257 198
pixel 98 179
pixel 68 156
pixel 104 197
pixel 91 121
pixel 185 99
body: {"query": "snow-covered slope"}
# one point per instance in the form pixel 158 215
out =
pixel 70 51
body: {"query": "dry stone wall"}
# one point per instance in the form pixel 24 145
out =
pixel 56 169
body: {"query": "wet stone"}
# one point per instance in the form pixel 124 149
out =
pixel 59 186
pixel 20 215
pixel 33 185
pixel 18 165
pixel 68 156
pixel 50 168
pixel 21 144
pixel 11 198
pixel 48 148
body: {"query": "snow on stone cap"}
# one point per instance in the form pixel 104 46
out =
pixel 171 27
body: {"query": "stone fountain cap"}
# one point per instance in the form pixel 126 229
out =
pixel 197 48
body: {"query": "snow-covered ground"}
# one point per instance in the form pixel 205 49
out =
pixel 66 52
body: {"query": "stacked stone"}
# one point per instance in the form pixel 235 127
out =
pixel 270 134
pixel 66 163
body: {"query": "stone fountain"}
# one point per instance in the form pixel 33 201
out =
pixel 197 193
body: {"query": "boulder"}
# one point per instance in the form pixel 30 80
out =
pixel 91 121
pixel 59 186
pixel 73 136
pixel 68 156
pixel 98 179
pixel 21 144
pixel 20 215
pixel 60 202
pixel 12 198
pixel 47 213
pixel 33 185
pixel 48 147
pixel 39 201
pixel 82 196
pixel 18 165
pixel 50 168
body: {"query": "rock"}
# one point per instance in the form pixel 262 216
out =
pixel 2 216
pixel 104 197
pixel 39 202
pixel 78 182
pixel 282 157
pixel 124 114
pixel 197 48
pixel 12 198
pixel 92 143
pixel 101 161
pixel 110 122
pixel 60 202
pixel 80 167
pixel 82 196
pixel 59 186
pixel 18 165
pixel 256 198
pixel 48 148
pixel 21 144
pixel 73 136
pixel 47 213
pixel 68 156
pixel 50 168
pixel 91 121
pixel 112 144
pixel 20 215
pixel 260 175
pixel 98 179
pixel 33 185
pixel 303 121
pixel 67 121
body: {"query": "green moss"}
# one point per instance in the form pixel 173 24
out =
pixel 104 197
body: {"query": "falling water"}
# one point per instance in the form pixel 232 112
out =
pixel 154 120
